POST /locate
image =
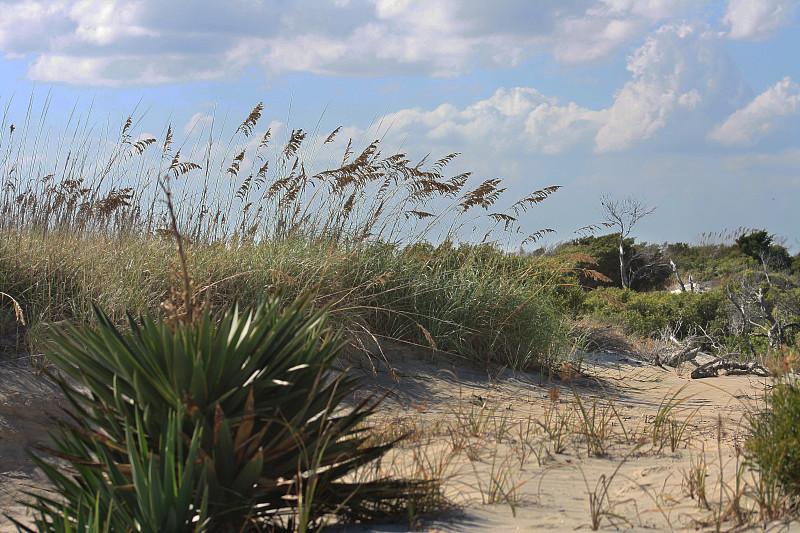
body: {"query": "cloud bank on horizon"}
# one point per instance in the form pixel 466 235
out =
pixel 673 78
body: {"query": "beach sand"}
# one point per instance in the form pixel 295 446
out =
pixel 483 431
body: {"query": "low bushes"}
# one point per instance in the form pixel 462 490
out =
pixel 648 313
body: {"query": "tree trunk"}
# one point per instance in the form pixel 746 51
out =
pixel 775 332
pixel 623 272
pixel 677 275
pixel 764 260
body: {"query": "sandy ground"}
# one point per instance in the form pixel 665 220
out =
pixel 638 485
pixel 27 403
pixel 487 434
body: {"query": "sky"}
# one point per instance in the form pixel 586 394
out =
pixel 691 105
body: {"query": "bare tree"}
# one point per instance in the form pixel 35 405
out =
pixel 756 316
pixel 623 215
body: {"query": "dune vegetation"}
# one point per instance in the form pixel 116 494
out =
pixel 187 286
pixel 90 226
pixel 187 405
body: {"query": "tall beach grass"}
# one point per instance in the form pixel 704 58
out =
pixel 82 221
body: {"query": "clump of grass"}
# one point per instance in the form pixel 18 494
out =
pixel 774 445
pixel 747 496
pixel 694 481
pixel 667 429
pixel 601 506
pixel 557 423
pixel 529 442
pixel 503 484
pixel 599 424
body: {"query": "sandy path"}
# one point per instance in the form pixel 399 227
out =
pixel 27 400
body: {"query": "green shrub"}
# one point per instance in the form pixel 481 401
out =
pixel 604 250
pixel 774 446
pixel 230 426
pixel 646 267
pixel 706 262
pixel 758 245
pixel 649 313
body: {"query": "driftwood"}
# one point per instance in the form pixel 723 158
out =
pixel 680 356
pixel 678 352
pixel 731 364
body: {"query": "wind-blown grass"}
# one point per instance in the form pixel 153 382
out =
pixel 82 224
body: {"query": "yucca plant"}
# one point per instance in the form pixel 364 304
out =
pixel 255 402
pixel 150 491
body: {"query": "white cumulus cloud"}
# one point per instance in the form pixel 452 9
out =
pixel 760 116
pixel 26 26
pixel 678 76
pixel 515 119
pixel 102 22
pixel 197 122
pixel 677 67
pixel 605 26
pixel 691 99
pixel 757 19
pixel 74 70
pixel 152 42
pixel 554 129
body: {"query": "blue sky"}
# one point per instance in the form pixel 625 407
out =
pixel 694 105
